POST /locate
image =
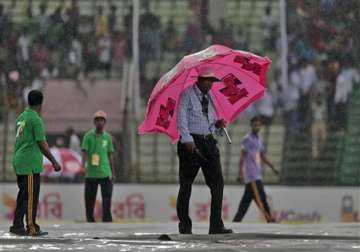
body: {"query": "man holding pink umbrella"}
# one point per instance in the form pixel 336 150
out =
pixel 183 107
pixel 197 148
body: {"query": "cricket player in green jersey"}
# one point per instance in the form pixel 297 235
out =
pixel 97 148
pixel 30 146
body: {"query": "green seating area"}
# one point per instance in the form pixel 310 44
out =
pixel 339 162
pixel 350 165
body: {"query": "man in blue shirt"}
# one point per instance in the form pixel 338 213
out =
pixel 197 148
pixel 252 153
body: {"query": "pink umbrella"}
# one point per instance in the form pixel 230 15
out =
pixel 243 79
pixel 69 160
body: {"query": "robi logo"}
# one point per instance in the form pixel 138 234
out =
pixel 166 113
pixel 232 90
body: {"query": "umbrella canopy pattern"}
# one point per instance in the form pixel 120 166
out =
pixel 242 78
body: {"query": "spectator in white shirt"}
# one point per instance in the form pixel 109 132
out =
pixel 105 57
pixel 24 46
pixel 344 85
pixel 265 109
pixel 307 80
pixel 73 140
pixel 318 127
pixel 290 98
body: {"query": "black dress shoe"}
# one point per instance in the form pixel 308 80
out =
pixel 185 228
pixel 221 231
pixel 185 231
pixel 18 231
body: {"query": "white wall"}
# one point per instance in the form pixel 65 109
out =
pixel 158 203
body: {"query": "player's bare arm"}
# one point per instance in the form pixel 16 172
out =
pixel 241 164
pixel 268 163
pixel 112 164
pixel 44 148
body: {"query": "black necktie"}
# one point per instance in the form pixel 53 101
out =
pixel 205 104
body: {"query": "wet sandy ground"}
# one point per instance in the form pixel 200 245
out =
pixel 145 237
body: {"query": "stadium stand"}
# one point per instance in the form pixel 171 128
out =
pixel 156 160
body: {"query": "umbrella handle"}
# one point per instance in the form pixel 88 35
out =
pixel 227 135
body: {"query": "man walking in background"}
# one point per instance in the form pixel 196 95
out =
pixel 73 140
pixel 98 161
pixel 252 153
pixel 30 146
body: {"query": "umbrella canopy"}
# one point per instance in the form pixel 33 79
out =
pixel 242 80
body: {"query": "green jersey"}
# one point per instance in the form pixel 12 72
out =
pixel 27 156
pixel 97 148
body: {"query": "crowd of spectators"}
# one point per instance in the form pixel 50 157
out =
pixel 322 38
pixel 323 69
pixel 323 66
pixel 66 44
pixel 62 44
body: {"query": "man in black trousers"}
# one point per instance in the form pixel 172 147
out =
pixel 98 160
pixel 30 146
pixel 197 148
pixel 252 154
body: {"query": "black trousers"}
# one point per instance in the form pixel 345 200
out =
pixel 91 186
pixel 253 190
pixel 27 202
pixel 189 165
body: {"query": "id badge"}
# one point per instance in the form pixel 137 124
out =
pixel 95 159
